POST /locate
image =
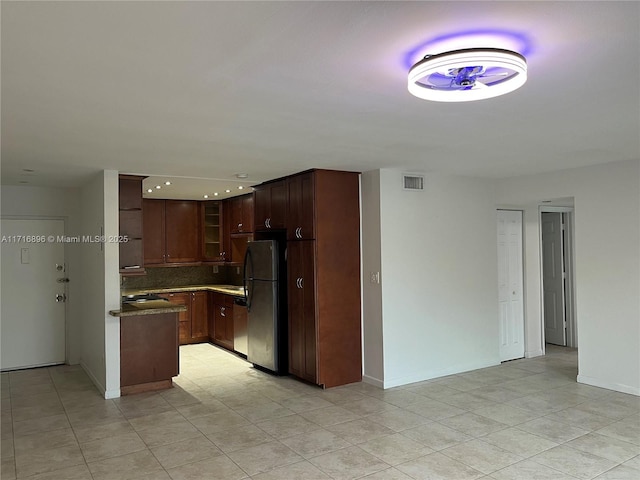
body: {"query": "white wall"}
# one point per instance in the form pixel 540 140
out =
pixel 607 268
pixel 439 277
pixel 373 361
pixel 41 202
pixel 101 288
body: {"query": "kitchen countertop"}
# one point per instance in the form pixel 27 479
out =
pixel 150 307
pixel 234 290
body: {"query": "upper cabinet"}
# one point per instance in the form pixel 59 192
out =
pixel 270 205
pixel 171 231
pixel 241 214
pixel 130 217
pixel 213 239
pixel 301 207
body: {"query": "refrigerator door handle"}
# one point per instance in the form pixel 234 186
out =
pixel 248 292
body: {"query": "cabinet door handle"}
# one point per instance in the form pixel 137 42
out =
pixel 298 282
pixel 240 226
pixel 222 314
pixel 299 232
pixel 301 282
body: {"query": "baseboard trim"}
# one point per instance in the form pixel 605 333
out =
pixel 107 394
pixel 420 377
pixel 533 353
pixel 617 387
pixel 376 382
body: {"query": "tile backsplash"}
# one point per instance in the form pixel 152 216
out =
pixel 182 276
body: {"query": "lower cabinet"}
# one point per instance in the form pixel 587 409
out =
pixel 148 352
pixel 192 324
pixel 302 311
pixel 221 319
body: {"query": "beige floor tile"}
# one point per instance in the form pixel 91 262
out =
pixel 497 393
pixel 329 415
pixel 95 415
pixel 295 471
pixel 388 474
pixel 433 390
pixel 530 470
pixel 37 461
pixel 315 443
pixel 305 403
pixel 472 424
pixel 359 431
pixel 348 463
pixel 434 409
pixel 41 425
pixel 436 436
pixel 506 414
pixel 399 398
pixel 151 421
pixel 237 438
pixel 106 430
pixel 574 462
pixel 264 457
pixel 28 390
pixel 481 456
pixel 620 472
pixel 126 467
pixel 606 447
pixel 287 426
pixel 585 420
pixel 8 468
pixel 78 472
pixel 437 466
pixel 166 434
pixel 395 449
pixel 219 421
pixel 398 419
pixel 628 431
pixel 519 442
pixel 633 463
pixel 54 439
pixel 263 411
pixel 112 446
pixel 185 452
pixel 367 406
pixel 468 401
pixel 216 468
pixel 47 409
pixel 551 430
pixel 202 408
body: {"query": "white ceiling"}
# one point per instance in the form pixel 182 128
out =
pixel 210 89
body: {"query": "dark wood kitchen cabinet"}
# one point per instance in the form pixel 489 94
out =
pixel 149 356
pixel 324 285
pixel 222 318
pixel 171 231
pixel 241 214
pixel 192 323
pixel 270 205
pixel 300 206
pixel 130 221
pixel 214 241
pixel 302 312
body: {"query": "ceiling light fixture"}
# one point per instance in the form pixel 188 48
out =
pixel 467 75
pixel 240 187
pixel 158 187
pixel 167 183
pixel 149 190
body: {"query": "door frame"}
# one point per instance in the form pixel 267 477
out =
pixel 65 223
pixel 569 261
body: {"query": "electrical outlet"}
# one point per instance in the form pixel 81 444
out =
pixel 375 277
pixel 215 269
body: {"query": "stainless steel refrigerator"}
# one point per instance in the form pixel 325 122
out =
pixel 266 330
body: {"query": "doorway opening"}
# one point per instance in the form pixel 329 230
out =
pixel 557 273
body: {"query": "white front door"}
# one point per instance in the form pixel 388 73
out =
pixel 510 284
pixel 553 278
pixel 33 310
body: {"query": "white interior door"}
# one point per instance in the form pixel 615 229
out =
pixel 510 284
pixel 553 278
pixel 33 317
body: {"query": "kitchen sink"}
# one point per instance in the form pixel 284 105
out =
pixel 143 297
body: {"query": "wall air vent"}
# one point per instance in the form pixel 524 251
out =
pixel 412 182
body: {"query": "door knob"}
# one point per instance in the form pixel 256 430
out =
pixel 61 298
